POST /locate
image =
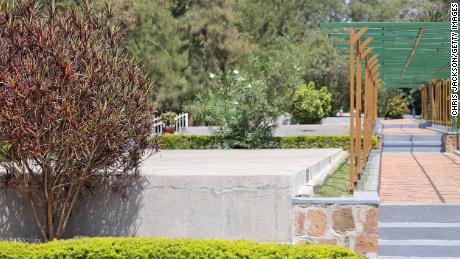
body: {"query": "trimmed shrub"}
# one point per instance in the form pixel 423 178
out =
pixel 109 247
pixel 213 142
pixel 188 142
pixel 397 107
pixel 310 105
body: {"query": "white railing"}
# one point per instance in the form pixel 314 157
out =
pixel 158 125
pixel 181 121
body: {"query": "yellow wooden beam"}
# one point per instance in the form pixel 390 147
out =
pixel 366 52
pixel 359 34
pixel 364 44
pixel 374 69
pixel 373 60
pixel 373 63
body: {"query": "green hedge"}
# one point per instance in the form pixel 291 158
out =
pixel 211 142
pixel 109 247
pixel 188 142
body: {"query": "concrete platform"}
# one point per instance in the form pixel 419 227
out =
pixel 229 194
pixel 282 162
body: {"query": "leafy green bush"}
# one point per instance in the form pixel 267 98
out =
pixel 213 142
pixel 244 109
pixel 397 107
pixel 385 95
pixel 109 247
pixel 310 105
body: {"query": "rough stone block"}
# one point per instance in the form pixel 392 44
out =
pixel 343 220
pixel 372 221
pixel 366 243
pixel 300 222
pixel 316 223
pixel 450 143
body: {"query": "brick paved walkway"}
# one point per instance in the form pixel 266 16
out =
pixel 420 177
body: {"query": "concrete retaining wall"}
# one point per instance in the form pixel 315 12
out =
pixel 199 199
pixel 255 208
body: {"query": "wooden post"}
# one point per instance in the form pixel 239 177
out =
pixel 352 110
pixel 423 97
pixel 358 112
pixel 359 151
pixel 366 104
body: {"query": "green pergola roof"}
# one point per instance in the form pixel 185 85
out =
pixel 410 53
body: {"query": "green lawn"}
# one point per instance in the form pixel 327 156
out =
pixel 337 184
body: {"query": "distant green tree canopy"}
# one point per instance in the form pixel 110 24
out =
pixel 180 42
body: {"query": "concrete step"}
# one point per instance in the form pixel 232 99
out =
pixel 412 143
pixel 420 248
pixel 394 143
pixel 397 126
pixel 431 143
pixel 437 213
pixel 416 138
pixel 424 230
pixel 396 138
pixel 412 149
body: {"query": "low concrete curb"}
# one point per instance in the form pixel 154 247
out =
pixel 360 197
pixel 314 184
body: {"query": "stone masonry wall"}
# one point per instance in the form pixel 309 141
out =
pixel 352 226
pixel 450 142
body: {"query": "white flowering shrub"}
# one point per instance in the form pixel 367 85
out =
pixel 244 109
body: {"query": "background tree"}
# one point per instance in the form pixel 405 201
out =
pixel 181 41
pixel 213 40
pixel 153 38
pixel 75 110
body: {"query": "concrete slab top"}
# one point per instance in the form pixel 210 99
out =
pixel 234 162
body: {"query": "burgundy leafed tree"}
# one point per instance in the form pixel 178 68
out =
pixel 73 107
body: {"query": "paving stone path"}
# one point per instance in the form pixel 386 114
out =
pixel 419 194
pixel 418 177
